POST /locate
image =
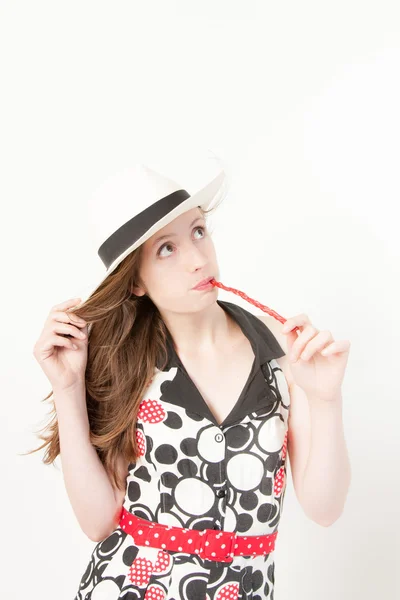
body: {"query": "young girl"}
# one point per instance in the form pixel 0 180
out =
pixel 171 407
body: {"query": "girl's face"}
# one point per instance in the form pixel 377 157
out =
pixel 172 266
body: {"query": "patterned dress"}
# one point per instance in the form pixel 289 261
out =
pixel 196 473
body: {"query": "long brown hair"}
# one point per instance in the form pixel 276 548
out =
pixel 126 336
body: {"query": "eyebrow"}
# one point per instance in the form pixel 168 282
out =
pixel 169 235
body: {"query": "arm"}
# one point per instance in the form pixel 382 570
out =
pixel 316 447
pixel 95 502
pixel 327 475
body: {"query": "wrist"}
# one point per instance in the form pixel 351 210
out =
pixel 333 399
pixel 77 387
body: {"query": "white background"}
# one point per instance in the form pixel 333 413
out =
pixel 301 101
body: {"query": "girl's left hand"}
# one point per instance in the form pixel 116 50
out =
pixel 320 360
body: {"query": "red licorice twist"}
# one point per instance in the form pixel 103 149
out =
pixel 252 301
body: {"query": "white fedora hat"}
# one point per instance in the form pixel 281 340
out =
pixel 132 205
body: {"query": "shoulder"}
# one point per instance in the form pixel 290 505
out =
pixel 275 327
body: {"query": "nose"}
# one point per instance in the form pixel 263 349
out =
pixel 194 257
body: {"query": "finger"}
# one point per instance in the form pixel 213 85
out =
pixel 303 341
pixel 317 343
pixel 335 347
pixel 57 340
pixel 298 320
pixel 66 304
pixel 65 317
pixel 68 330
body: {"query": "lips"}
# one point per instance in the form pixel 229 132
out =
pixel 203 282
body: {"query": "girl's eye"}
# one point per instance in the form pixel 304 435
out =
pixel 168 244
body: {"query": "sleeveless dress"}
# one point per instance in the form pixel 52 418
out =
pixel 195 473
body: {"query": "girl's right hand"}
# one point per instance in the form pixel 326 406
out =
pixel 63 365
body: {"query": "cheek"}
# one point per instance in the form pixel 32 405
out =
pixel 163 281
pixel 210 247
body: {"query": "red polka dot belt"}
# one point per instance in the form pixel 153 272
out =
pixel 211 544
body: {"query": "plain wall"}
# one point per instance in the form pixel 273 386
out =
pixel 301 102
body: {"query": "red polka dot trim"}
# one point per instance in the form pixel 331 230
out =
pixel 140 571
pixel 279 482
pixel 211 544
pixel 154 592
pixel 151 411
